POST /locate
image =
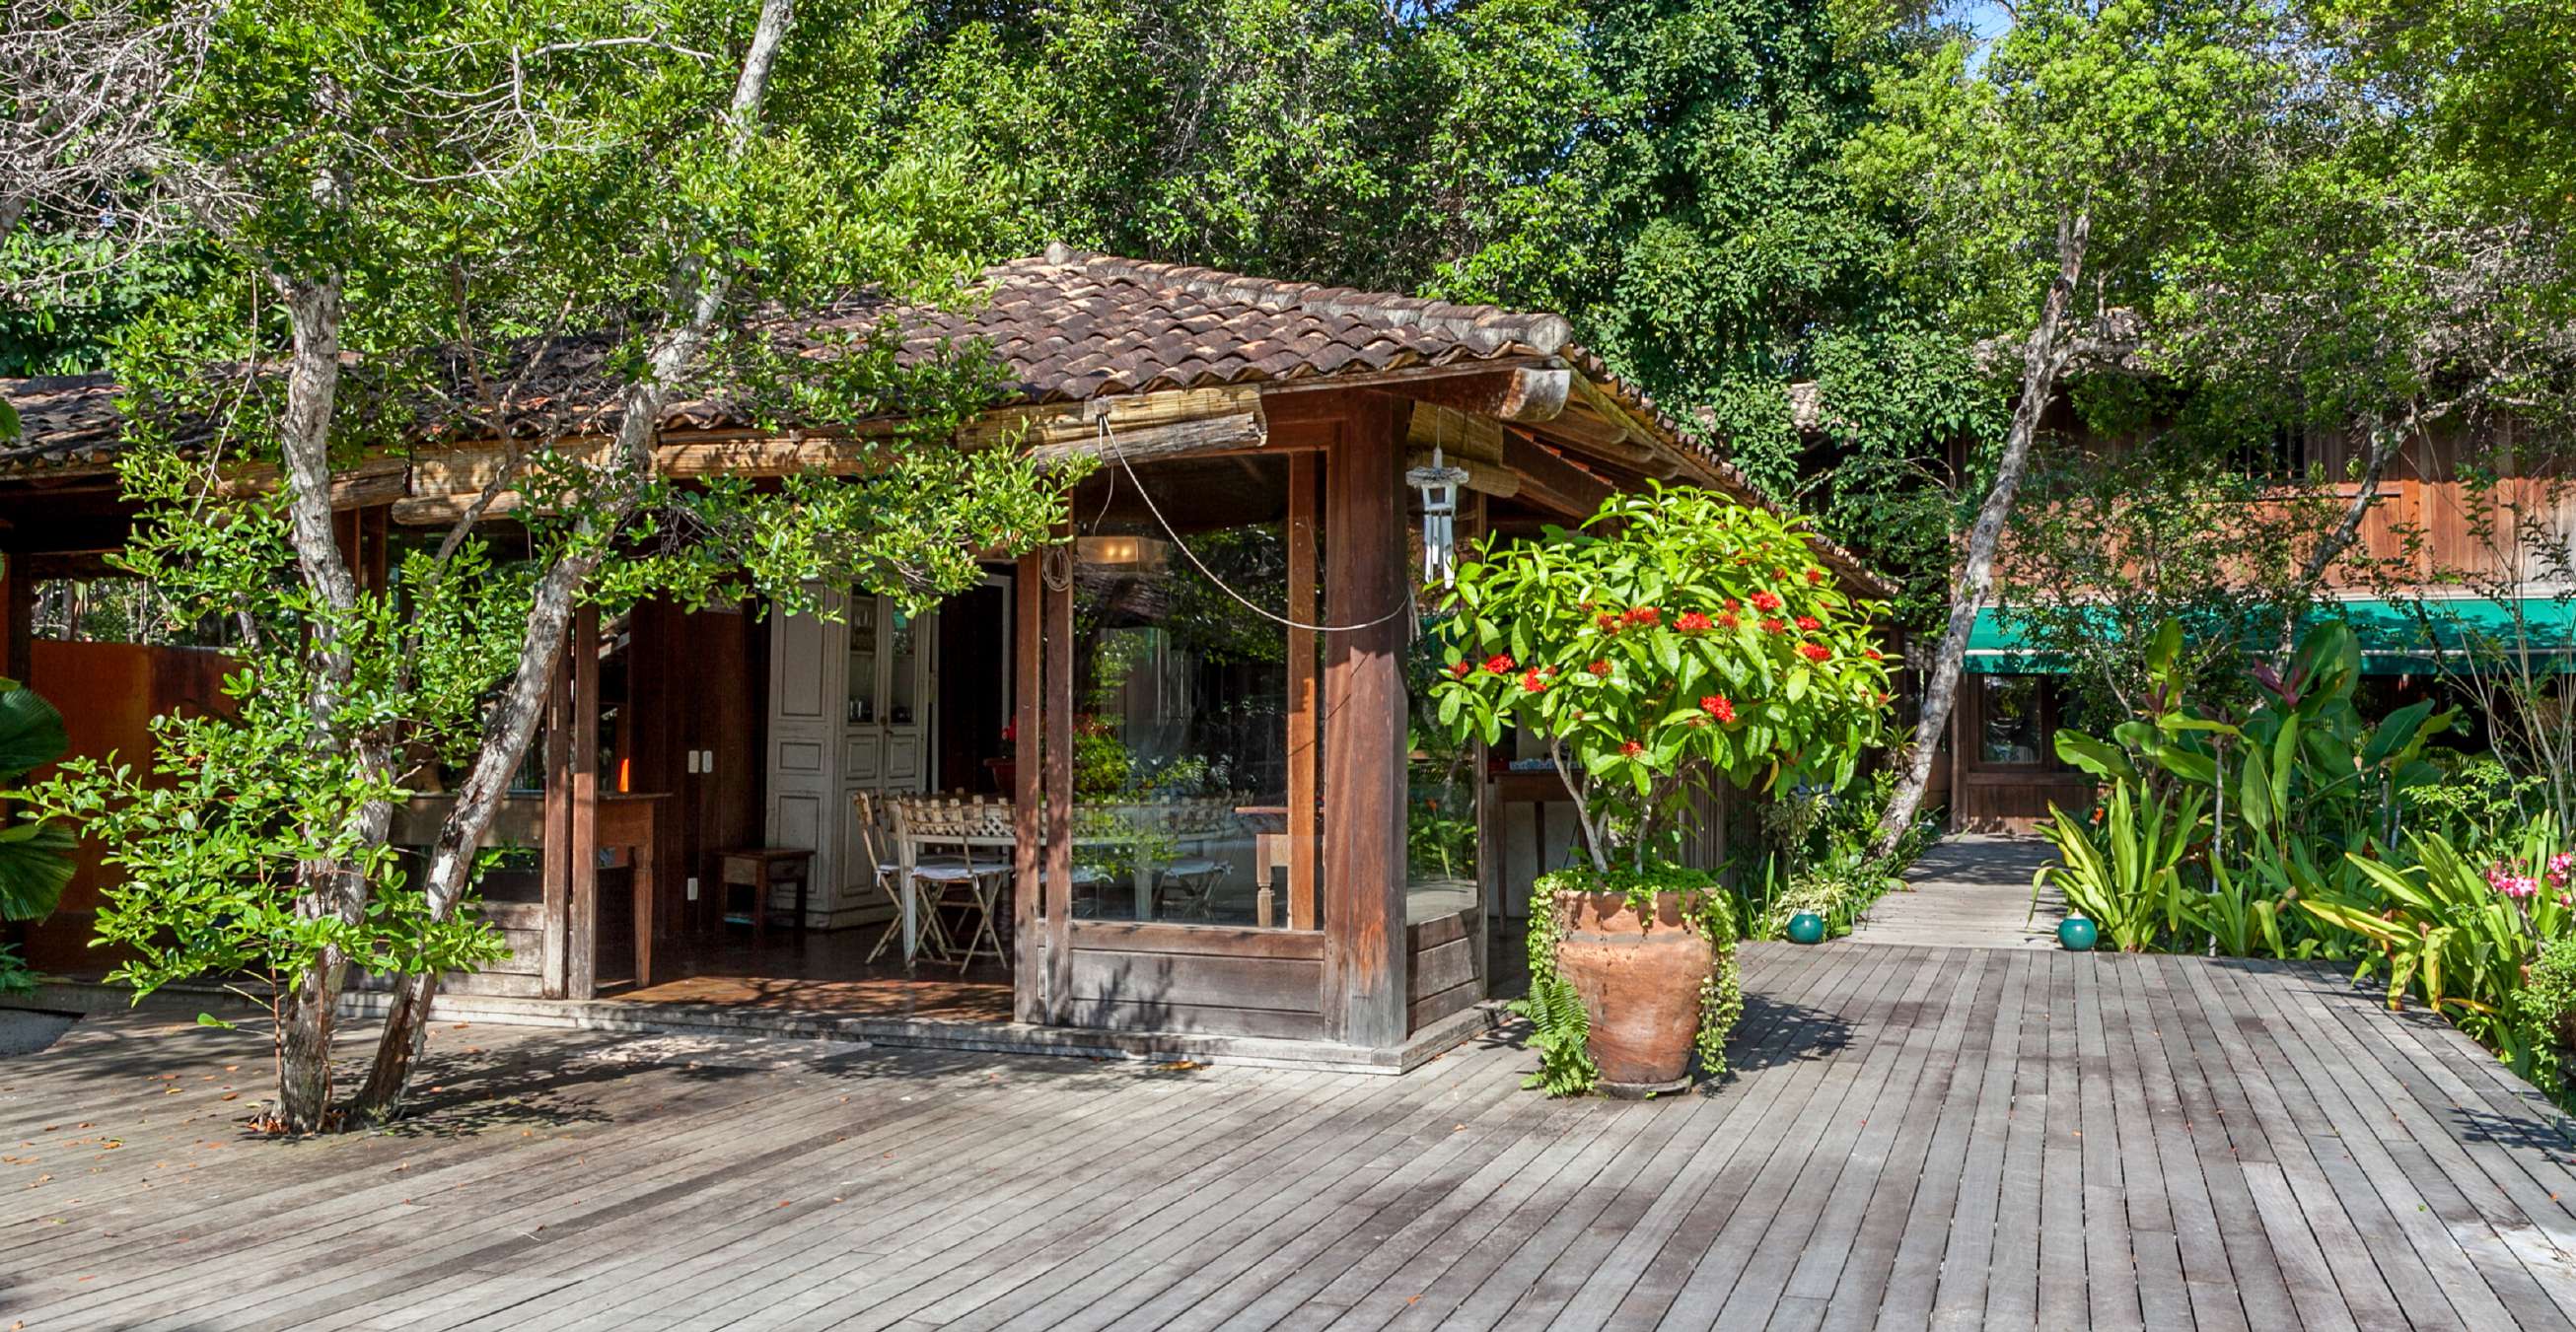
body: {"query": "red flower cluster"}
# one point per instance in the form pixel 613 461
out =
pixel 1815 575
pixel 1609 623
pixel 1499 664
pixel 1774 625
pixel 1810 623
pixel 1599 668
pixel 1872 654
pixel 1728 619
pixel 1631 748
pixel 1733 604
pixel 1815 651
pixel 1765 601
pixel 1646 615
pixel 1718 706
pixel 1532 682
pixel 1460 668
pixel 1691 622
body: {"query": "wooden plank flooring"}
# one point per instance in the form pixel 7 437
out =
pixel 1915 1137
pixel 1971 890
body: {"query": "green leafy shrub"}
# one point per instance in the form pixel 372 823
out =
pixel 16 977
pixel 1675 639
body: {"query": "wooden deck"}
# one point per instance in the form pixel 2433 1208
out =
pixel 1969 890
pixel 1917 1137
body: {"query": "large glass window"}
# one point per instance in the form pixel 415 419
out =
pixel 1186 742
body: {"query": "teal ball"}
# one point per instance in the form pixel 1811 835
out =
pixel 1806 927
pixel 2076 934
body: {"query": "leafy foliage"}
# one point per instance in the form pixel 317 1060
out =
pixel 35 855
pixel 1675 635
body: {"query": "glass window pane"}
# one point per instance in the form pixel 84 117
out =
pixel 1181 737
pixel 2011 724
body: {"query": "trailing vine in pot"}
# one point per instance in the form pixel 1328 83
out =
pixel 1673 640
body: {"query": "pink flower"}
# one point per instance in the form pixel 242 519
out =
pixel 2559 867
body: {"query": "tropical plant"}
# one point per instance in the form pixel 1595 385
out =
pixel 2128 880
pixel 35 855
pixel 2460 933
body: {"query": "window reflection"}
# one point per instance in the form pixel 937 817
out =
pixel 1181 726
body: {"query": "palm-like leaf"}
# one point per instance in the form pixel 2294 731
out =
pixel 35 858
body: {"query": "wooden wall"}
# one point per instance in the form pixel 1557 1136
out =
pixel 108 694
pixel 1202 979
pixel 1447 967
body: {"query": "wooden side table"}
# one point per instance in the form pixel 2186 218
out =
pixel 757 868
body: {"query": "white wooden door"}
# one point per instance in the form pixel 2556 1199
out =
pixel 806 803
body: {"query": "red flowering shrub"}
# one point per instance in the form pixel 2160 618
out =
pixel 1613 693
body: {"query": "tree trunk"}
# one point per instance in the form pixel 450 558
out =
pixel 512 724
pixel 325 886
pixel 2043 359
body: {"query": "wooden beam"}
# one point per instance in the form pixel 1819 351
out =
pixel 1058 721
pixel 1303 668
pixel 1212 434
pixel 1484 478
pixel 362 484
pixel 581 968
pixel 1552 480
pixel 1364 731
pixel 1527 393
pixel 555 844
pixel 1028 983
pixel 1459 435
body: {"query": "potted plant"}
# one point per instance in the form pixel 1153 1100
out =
pixel 1675 639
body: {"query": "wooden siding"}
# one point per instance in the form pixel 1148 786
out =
pixel 108 694
pixel 1447 970
pixel 1203 979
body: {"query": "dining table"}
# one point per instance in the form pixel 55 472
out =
pixel 992 832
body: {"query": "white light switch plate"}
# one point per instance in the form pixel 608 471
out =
pixel 693 887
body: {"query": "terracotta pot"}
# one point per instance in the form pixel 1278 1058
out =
pixel 1639 980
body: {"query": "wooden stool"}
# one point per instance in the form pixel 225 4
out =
pixel 757 868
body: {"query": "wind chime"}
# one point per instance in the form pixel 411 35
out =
pixel 1439 484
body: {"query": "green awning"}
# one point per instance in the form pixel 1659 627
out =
pixel 2426 637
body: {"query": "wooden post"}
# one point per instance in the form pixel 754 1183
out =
pixel 20 589
pixel 581 974
pixel 1056 585
pixel 1028 982
pixel 555 841
pixel 1364 731
pixel 1302 670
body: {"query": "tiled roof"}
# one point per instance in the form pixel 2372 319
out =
pixel 1069 326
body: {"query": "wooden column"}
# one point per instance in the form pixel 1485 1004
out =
pixel 555 841
pixel 1303 667
pixel 581 976
pixel 1056 586
pixel 1028 982
pixel 1364 731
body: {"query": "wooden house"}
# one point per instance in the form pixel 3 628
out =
pixel 1284 871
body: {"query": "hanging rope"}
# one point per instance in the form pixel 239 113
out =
pixel 1110 438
